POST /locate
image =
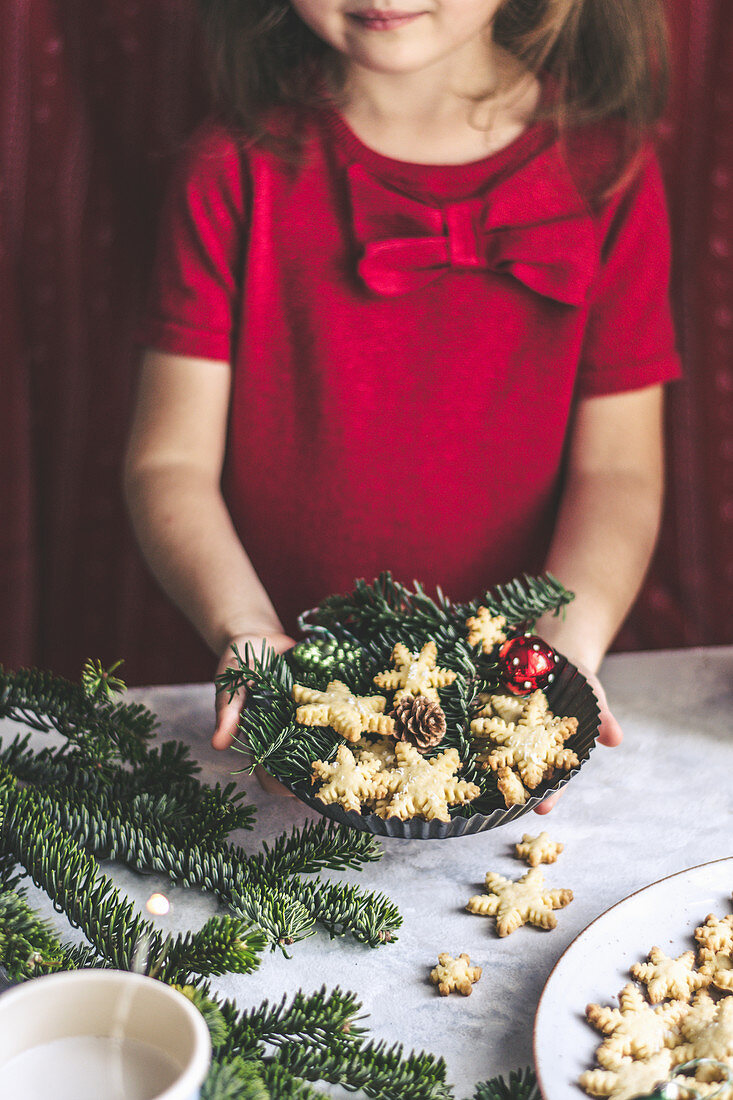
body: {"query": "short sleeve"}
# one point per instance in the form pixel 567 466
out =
pixel 630 339
pixel 192 306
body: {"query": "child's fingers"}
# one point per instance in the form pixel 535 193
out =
pixel 228 710
pixel 609 734
pixel 546 805
pixel 227 719
pixel 271 785
pixel 609 731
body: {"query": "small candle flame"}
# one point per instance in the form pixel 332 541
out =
pixel 158 905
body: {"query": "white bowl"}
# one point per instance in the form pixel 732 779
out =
pixel 109 1032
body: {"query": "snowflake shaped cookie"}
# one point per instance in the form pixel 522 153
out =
pixel 485 629
pixel 417 787
pixel 415 674
pixel 714 1041
pixel 454 974
pixel 631 1079
pixel 701 1015
pixel 715 952
pixel 349 714
pixel 526 901
pixel 635 1029
pixel 506 706
pixel 538 849
pixel 667 977
pixel 511 787
pixel 383 749
pixel 533 744
pixel 346 781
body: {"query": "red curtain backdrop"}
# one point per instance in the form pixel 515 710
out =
pixel 95 97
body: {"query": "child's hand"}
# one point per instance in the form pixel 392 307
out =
pixel 228 710
pixel 609 732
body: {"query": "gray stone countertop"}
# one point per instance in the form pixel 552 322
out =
pixel 659 803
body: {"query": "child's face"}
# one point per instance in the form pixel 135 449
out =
pixel 402 36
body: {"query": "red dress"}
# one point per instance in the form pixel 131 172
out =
pixel 407 342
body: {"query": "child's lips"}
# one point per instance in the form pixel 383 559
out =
pixel 374 19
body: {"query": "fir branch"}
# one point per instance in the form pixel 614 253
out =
pixel 83 957
pixel 292 750
pixel 371 918
pixel 54 766
pixel 99 682
pixel 522 1085
pixel 267 668
pixel 268 733
pixel 9 878
pixel 382 1072
pixel 371 608
pixel 237 1079
pixel 169 762
pixel 108 831
pixel 200 997
pixel 281 905
pixel 317 1019
pixel 317 845
pixel 522 601
pixel 134 834
pixel 71 878
pixel 28 945
pixel 317 1037
pixel 280 916
pixel 224 945
pixel 189 809
pixel 102 729
pixel 216 813
pixel 283 1085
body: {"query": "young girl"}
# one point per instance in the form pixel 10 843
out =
pixel 410 313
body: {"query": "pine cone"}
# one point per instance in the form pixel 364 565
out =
pixel 420 721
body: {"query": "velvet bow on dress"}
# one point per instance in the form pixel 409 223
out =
pixel 540 233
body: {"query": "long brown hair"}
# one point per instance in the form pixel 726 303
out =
pixel 607 59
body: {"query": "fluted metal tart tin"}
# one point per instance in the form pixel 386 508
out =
pixel 569 695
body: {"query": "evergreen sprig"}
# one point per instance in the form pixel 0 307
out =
pixel 72 879
pixel 381 1072
pixel 319 1038
pixel 317 1020
pixel 372 919
pixel 280 1082
pixel 280 915
pixel 237 1080
pixel 154 814
pixel 104 730
pixel 313 847
pixel 191 809
pixel 370 608
pixel 522 1085
pixel 259 889
pixel 107 793
pixel 99 682
pixel 28 945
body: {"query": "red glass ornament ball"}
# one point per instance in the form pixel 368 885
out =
pixel 526 663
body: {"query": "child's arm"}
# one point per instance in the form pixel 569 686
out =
pixel 607 525
pixel 172 484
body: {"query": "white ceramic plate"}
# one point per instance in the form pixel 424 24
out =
pixel 595 967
